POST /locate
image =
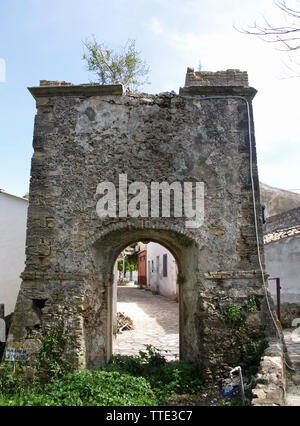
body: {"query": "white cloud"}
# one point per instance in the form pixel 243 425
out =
pixel 276 106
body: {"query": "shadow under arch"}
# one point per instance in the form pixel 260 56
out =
pixel 106 249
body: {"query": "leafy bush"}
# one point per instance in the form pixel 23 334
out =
pixel 233 316
pixel 90 388
pixel 152 357
pixel 126 364
pixel 165 378
pixel 146 379
pixel 11 380
pixel 252 305
pixel 52 363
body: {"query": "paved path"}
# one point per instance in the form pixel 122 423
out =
pixel 155 319
pixel 292 341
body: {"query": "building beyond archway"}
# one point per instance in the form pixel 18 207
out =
pixel 88 134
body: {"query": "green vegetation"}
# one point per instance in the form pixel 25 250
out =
pixel 130 263
pixel 84 388
pixel 233 316
pixel 237 402
pixel 252 305
pixel 113 67
pixel 245 343
pixel 146 379
pixel 51 360
pixel 180 280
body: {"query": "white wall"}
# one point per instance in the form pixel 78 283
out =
pixel 134 276
pixel 166 286
pixel 114 297
pixel 13 218
pixel 282 260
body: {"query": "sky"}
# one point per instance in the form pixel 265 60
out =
pixel 42 40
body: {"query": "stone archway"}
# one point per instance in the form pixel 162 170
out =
pixel 184 251
pixel 88 134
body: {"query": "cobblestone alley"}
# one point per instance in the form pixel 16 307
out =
pixel 155 319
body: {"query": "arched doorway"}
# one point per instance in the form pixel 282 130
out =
pixel 106 251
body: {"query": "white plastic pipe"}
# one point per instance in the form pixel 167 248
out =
pixel 241 381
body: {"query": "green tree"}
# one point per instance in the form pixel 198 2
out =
pixel 130 263
pixel 116 67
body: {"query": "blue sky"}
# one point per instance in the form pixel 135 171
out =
pixel 43 40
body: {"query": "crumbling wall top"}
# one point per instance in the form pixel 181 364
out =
pixel 219 78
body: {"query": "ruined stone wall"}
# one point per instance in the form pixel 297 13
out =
pixel 88 134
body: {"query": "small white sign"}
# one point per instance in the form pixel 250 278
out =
pixel 13 354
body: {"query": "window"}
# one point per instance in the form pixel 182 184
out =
pixel 152 266
pixel 165 265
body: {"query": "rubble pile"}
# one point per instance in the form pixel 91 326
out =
pixel 123 322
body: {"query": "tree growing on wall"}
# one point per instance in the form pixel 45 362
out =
pixel 116 67
pixel 286 36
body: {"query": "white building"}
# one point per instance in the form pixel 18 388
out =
pixel 13 218
pixel 161 271
pixel 282 258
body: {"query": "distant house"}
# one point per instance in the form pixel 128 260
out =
pixel 161 271
pixel 282 259
pixel 142 268
pixel 13 218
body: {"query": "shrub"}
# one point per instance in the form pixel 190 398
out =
pixel 146 379
pixel 11 380
pixel 90 388
pixel 165 378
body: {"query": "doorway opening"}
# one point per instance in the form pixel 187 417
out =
pixel 99 333
pixel 145 301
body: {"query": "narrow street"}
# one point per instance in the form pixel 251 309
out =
pixel 155 319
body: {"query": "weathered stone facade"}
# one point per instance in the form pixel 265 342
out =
pixel 88 134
